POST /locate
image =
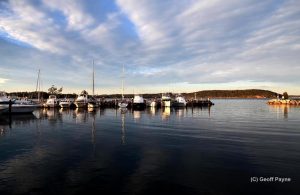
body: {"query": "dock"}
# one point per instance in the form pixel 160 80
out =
pixel 284 102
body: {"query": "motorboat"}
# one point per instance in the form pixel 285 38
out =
pixel 138 102
pixel 51 102
pixel 65 103
pixel 81 101
pixel 92 103
pixel 166 100
pixel 179 101
pixel 16 105
pixel 123 104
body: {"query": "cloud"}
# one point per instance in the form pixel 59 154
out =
pixel 160 42
pixel 3 80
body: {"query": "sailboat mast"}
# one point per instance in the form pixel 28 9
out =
pixel 93 79
pixel 38 85
pixel 123 83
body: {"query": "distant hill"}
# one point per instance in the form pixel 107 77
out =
pixel 248 93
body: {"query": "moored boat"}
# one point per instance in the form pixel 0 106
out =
pixel 51 102
pixel 65 103
pixel 81 101
pixel 93 103
pixel 166 100
pixel 138 102
pixel 12 106
pixel 179 101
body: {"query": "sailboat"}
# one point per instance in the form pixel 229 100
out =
pixel 92 101
pixel 123 103
pixel 39 101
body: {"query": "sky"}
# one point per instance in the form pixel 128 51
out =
pixel 180 46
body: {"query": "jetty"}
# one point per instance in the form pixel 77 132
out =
pixel 295 102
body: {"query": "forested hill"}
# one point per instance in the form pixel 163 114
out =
pixel 248 93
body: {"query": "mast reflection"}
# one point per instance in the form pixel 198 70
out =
pixel 123 112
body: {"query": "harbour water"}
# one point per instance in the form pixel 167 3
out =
pixel 218 150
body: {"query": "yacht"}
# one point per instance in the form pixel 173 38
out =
pixel 179 101
pixel 51 102
pixel 138 102
pixel 81 101
pixel 65 103
pixel 92 103
pixel 166 100
pixel 16 106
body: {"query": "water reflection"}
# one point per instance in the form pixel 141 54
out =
pixel 123 112
pixel 137 114
pixel 166 112
pixel 152 111
pixel 81 115
pixel 173 158
pixel 94 133
pixel 180 112
pixel 7 121
pixel 281 110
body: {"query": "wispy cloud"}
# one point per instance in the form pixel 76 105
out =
pixel 160 42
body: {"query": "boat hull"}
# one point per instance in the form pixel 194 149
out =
pixel 80 104
pixel 93 105
pixel 138 105
pixel 3 109
pixel 179 104
pixel 64 105
pixel 123 105
pixel 166 103
pixel 19 108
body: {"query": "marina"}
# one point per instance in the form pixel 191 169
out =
pixel 130 97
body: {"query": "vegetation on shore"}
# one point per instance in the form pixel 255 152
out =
pixel 248 93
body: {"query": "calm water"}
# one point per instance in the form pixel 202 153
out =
pixel 199 151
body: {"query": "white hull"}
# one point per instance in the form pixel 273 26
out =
pixel 50 105
pixel 19 108
pixel 123 105
pixel 153 104
pixel 167 103
pixel 93 105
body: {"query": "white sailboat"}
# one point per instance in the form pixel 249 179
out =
pixel 92 101
pixel 123 103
